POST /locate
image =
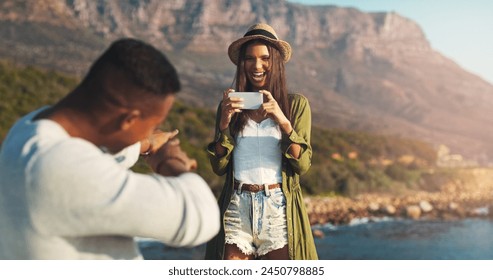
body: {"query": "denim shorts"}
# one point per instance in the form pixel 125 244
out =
pixel 256 222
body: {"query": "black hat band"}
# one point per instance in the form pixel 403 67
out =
pixel 260 32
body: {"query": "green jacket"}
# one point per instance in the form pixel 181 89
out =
pixel 300 239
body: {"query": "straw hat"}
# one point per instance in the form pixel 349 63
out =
pixel 260 31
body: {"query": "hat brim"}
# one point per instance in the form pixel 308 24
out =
pixel 234 49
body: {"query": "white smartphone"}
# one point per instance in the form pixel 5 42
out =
pixel 251 100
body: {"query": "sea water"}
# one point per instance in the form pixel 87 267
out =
pixel 386 239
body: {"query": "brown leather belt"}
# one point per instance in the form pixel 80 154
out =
pixel 255 187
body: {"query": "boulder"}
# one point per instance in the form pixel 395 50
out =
pixel 413 212
pixel 453 206
pixel 373 207
pixel 318 233
pixel 389 210
pixel 425 206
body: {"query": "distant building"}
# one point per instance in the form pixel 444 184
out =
pixel 446 159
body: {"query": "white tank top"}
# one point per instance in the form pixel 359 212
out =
pixel 257 153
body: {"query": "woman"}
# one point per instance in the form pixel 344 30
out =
pixel 262 152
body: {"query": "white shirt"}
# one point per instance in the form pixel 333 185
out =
pixel 63 198
pixel 257 153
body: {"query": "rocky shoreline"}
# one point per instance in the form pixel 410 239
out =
pixel 341 210
pixel 456 199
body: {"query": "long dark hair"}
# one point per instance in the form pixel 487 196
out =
pixel 276 82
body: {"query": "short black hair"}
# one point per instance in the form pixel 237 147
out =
pixel 141 64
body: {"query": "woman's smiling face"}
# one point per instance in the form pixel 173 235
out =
pixel 257 60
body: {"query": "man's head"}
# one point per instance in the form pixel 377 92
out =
pixel 129 91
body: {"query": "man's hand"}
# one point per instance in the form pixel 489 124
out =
pixel 152 143
pixel 171 160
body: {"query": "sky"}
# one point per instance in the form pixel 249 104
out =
pixel 462 30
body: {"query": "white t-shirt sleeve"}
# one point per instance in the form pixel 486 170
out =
pixel 128 156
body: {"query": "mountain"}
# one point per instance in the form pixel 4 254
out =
pixel 361 71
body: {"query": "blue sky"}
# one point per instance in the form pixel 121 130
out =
pixel 462 30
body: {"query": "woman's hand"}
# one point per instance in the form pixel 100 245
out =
pixel 229 106
pixel 272 110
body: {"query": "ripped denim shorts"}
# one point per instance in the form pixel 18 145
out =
pixel 256 221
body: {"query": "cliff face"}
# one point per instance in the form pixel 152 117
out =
pixel 204 25
pixel 189 23
pixel 366 71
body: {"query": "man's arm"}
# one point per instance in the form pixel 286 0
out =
pixel 89 194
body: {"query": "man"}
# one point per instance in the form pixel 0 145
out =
pixel 65 188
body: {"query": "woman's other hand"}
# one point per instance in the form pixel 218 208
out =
pixel 271 109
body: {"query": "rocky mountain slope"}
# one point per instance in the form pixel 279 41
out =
pixel 361 71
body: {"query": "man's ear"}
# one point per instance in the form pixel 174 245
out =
pixel 129 118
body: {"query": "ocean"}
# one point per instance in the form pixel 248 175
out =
pixel 387 239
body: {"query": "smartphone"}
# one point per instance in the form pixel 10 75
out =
pixel 251 100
